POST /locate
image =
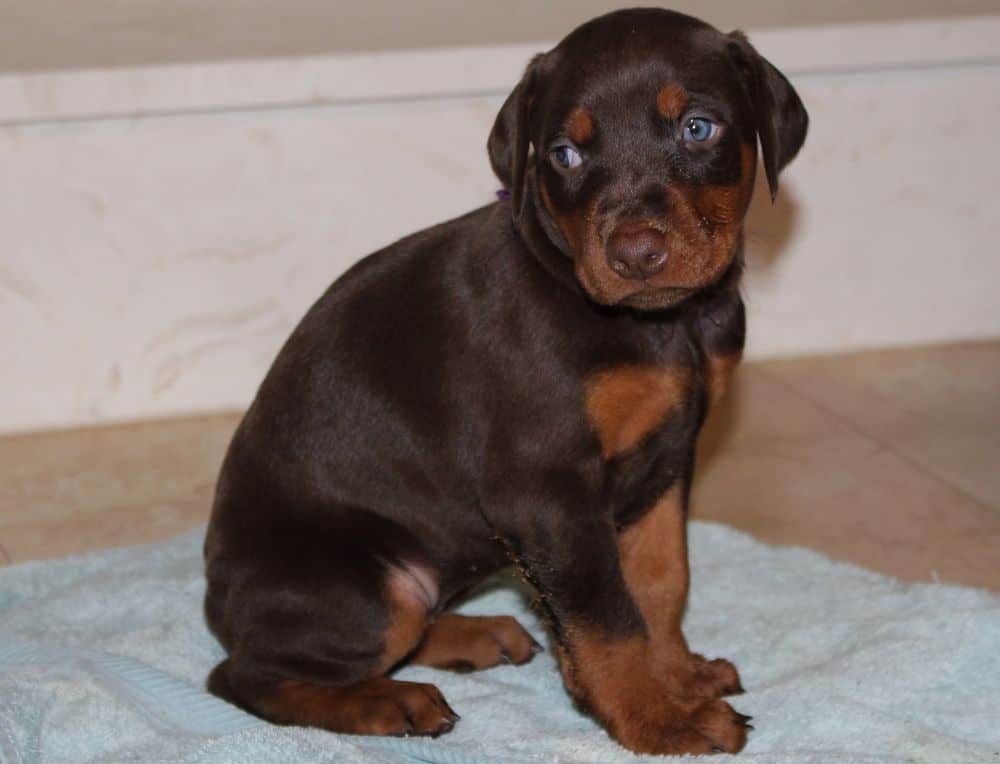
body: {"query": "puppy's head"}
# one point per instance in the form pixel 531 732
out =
pixel 635 139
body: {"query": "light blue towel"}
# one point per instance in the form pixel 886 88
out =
pixel 103 656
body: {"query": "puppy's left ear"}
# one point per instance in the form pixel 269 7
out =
pixel 781 119
pixel 510 140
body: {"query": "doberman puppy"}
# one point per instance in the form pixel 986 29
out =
pixel 524 384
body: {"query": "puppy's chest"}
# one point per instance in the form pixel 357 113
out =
pixel 646 419
pixel 627 403
pixel 660 378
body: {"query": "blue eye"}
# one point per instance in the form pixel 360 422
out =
pixel 566 156
pixel 700 130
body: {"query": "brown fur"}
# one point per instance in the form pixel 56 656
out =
pixel 379 706
pixel 672 100
pixel 707 224
pixel 408 611
pixel 719 374
pixel 612 679
pixel 654 559
pixel 468 643
pixel 368 487
pixel 627 403
pixel 704 232
pixel 574 227
pixel 580 126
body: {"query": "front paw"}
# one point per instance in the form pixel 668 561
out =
pixel 673 725
pixel 690 675
pixel 702 678
pixel 636 693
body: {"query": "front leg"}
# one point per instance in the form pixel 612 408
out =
pixel 721 329
pixel 654 559
pixel 605 647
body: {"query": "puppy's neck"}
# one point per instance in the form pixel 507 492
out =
pixel 544 241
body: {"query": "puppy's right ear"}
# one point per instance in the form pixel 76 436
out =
pixel 510 139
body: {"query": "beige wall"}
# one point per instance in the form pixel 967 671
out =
pixel 152 266
pixel 114 33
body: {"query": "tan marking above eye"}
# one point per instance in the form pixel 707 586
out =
pixel 579 125
pixel 672 100
pixel 627 403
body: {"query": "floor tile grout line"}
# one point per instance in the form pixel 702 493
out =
pixel 854 427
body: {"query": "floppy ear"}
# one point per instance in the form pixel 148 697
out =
pixel 781 119
pixel 510 141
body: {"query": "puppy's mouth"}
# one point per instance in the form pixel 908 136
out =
pixel 648 264
pixel 643 295
pixel 660 298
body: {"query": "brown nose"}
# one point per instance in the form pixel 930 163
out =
pixel 636 253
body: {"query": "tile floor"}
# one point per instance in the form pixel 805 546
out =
pixel 889 459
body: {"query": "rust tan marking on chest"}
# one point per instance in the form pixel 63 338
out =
pixel 627 403
pixel 672 100
pixel 719 373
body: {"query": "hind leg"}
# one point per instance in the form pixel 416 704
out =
pixel 469 643
pixel 379 706
pixel 315 653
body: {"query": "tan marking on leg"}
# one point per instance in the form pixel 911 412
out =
pixel 627 403
pixel 654 559
pixel 672 100
pixel 470 643
pixel 719 373
pixel 411 592
pixel 611 678
pixel 378 706
pixel 599 667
